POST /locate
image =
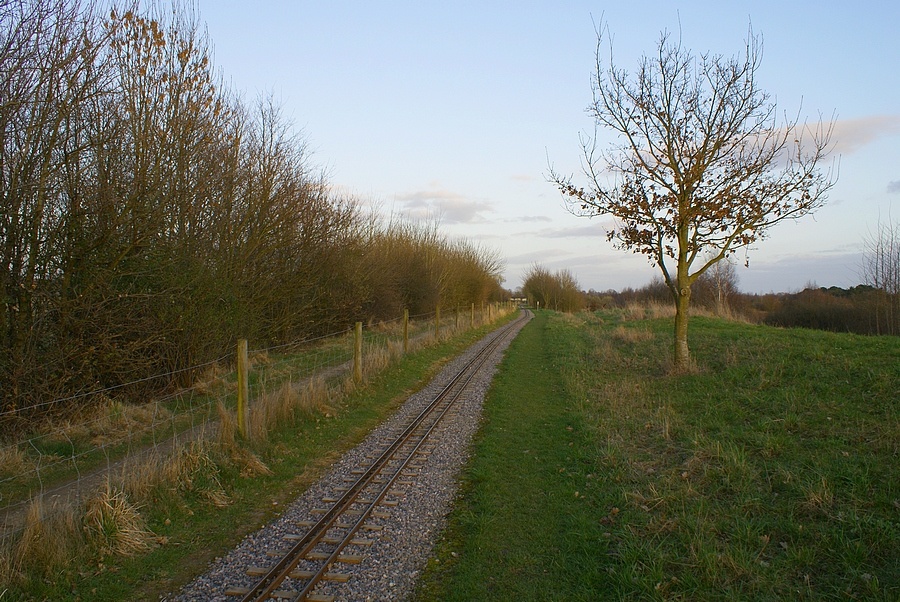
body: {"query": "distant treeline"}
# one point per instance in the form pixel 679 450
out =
pixel 860 309
pixel 149 215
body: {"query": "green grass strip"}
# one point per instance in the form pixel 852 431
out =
pixel 771 473
pixel 523 529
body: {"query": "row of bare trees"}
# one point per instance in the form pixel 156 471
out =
pixel 881 269
pixel 149 215
pixel 558 290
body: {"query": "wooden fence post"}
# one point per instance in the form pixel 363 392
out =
pixel 357 352
pixel 243 388
pixel 437 322
pixel 457 316
pixel 406 331
pixel 472 320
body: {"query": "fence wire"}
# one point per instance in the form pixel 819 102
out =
pixel 60 466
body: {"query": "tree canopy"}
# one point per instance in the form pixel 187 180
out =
pixel 702 163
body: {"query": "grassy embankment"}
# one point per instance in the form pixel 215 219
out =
pixel 174 515
pixel 771 473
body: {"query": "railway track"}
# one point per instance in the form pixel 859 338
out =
pixel 346 524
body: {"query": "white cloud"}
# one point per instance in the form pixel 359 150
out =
pixel 592 230
pixel 850 135
pixel 538 256
pixel 447 206
pixel 531 218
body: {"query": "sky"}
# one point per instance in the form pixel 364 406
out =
pixel 456 110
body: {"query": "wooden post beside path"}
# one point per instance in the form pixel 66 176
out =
pixel 437 323
pixel 357 352
pixel 243 388
pixel 406 331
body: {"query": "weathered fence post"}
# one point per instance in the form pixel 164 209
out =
pixel 357 352
pixel 472 320
pixel 406 331
pixel 437 322
pixel 243 388
pixel 457 316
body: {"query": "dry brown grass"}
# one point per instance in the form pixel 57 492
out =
pixel 227 434
pixel 375 359
pixel 114 525
pixel 287 402
pixel 111 421
pixel 140 480
pixel 632 335
pixel 650 310
pixel 270 408
pixel 390 328
pixel 227 444
pixel 110 521
pixel 14 461
pixel 192 468
pixel 51 535
pixel 315 397
pixel 259 358
pixel 211 380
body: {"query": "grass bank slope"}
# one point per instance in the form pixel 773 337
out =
pixel 772 473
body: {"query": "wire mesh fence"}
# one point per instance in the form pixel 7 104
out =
pixel 57 467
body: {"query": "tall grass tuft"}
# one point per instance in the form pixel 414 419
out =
pixel 290 401
pixel 194 470
pixel 14 461
pixel 315 397
pixel 51 535
pixel 375 359
pixel 228 430
pixel 631 335
pixel 142 480
pixel 114 525
pixel 210 379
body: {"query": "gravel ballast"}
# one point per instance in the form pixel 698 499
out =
pixel 392 564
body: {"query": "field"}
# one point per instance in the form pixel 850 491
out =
pixel 772 472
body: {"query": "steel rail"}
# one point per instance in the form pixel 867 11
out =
pixel 269 583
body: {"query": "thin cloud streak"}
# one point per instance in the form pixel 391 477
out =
pixel 530 218
pixel 850 135
pixel 448 206
pixel 596 230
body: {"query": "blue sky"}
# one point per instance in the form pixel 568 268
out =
pixel 456 109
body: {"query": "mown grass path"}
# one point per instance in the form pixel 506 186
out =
pixel 771 473
pixel 524 529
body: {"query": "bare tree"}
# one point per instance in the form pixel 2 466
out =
pixel 716 286
pixel 148 215
pixel 47 76
pixel 702 165
pixel 881 269
pixel 558 291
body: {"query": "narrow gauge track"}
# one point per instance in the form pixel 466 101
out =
pixel 325 541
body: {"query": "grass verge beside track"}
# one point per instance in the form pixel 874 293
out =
pixel 191 523
pixel 771 473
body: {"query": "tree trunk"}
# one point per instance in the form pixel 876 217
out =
pixel 682 353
